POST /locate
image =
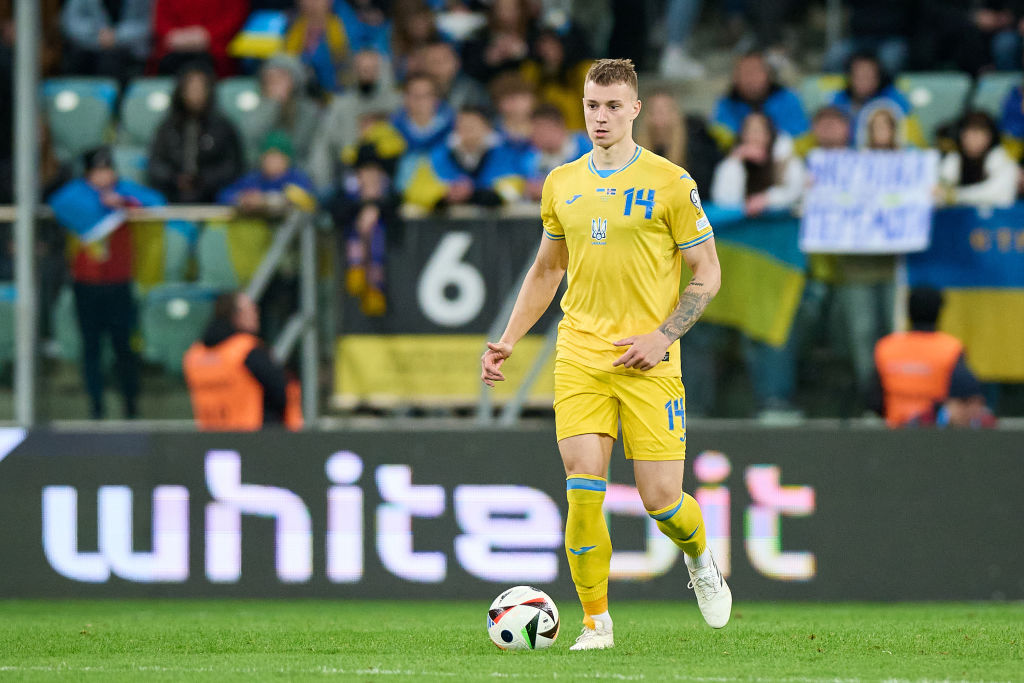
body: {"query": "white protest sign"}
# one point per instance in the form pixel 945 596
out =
pixel 869 202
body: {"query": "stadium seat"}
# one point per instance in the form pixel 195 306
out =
pixel 145 104
pixel 992 89
pixel 816 90
pixel 79 112
pixel 236 97
pixel 8 295
pixel 130 162
pixel 937 97
pixel 214 258
pixel 64 323
pixel 229 253
pixel 172 317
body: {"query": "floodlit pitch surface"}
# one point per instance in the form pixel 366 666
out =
pixel 381 641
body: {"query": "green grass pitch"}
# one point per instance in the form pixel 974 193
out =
pixel 398 641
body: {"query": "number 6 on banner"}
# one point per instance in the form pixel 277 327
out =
pixel 447 269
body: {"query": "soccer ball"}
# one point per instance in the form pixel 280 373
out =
pixel 522 618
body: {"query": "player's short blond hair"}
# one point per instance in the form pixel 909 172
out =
pixel 612 71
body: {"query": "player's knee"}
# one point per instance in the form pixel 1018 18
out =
pixel 658 496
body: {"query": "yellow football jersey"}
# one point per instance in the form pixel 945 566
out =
pixel 624 233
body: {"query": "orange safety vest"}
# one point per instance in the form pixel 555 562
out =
pixel 915 369
pixel 225 395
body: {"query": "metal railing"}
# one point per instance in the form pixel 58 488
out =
pixel 300 327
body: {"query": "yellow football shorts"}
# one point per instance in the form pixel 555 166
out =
pixel 652 409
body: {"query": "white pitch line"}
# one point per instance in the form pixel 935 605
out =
pixel 334 671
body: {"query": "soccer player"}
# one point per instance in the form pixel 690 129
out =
pixel 620 220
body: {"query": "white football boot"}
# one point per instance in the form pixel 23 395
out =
pixel 597 638
pixel 713 595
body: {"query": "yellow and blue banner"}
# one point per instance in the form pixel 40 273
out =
pixel 978 261
pixel 262 36
pixel 763 273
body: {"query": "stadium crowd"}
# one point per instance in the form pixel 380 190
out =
pixel 389 109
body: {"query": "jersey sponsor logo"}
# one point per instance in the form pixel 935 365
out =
pixel 598 230
pixel 580 551
pixel 574 198
pixel 665 359
pixel 695 198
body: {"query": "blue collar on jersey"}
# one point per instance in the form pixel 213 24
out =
pixel 605 174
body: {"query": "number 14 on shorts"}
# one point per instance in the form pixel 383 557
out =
pixel 676 408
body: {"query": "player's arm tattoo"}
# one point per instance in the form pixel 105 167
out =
pixel 692 302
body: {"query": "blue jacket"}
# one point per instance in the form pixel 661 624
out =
pixel 535 165
pixel 889 94
pixel 497 163
pixel 81 21
pixel 78 208
pixel 254 180
pixel 423 140
pixel 782 107
pixel 1012 121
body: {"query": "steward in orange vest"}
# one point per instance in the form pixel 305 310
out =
pixel 920 370
pixel 234 383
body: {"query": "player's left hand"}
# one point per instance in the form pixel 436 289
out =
pixel 645 350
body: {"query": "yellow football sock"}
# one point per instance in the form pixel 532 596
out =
pixel 682 522
pixel 587 543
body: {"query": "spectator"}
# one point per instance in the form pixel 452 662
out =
pixel 503 44
pixel 318 37
pixel 1006 41
pixel 754 89
pixel 682 139
pixel 761 172
pixel 869 87
pixel 1011 123
pixel 366 211
pixel 107 37
pixel 830 128
pixel 979 172
pixel 269 190
pixel 186 31
pixel 283 106
pixel 440 61
pixel 551 145
pixel 881 127
pixel 474 167
pixel 413 29
pixel 864 284
pixel 557 68
pixel 366 23
pixel 922 375
pixel 515 101
pixel 881 27
pixel 50 47
pixel 676 62
pixel 372 92
pixel 959 34
pixel 92 211
pixel 424 119
pixel 234 382
pixel 196 150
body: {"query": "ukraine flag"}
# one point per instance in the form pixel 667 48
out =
pixel 763 273
pixel 978 261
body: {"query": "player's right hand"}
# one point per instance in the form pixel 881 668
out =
pixel 491 361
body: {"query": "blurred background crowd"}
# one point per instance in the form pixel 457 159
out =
pixel 384 112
